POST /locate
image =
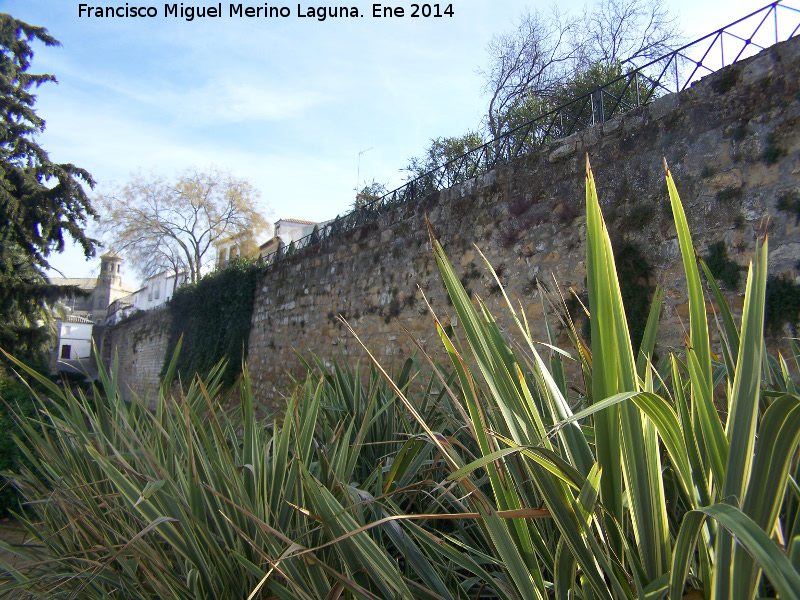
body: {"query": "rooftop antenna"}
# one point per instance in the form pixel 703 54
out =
pixel 358 171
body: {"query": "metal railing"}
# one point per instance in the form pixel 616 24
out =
pixel 640 85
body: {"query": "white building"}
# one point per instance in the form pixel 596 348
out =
pixel 156 291
pixel 245 245
pixel 287 231
pixel 98 294
pixel 91 306
pixel 74 346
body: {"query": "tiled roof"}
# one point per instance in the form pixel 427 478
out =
pixel 86 283
pixel 298 221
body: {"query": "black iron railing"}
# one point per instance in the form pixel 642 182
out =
pixel 640 85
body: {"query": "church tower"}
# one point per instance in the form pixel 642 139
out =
pixel 109 285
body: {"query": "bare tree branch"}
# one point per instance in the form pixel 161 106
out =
pixel 620 31
pixel 532 66
pixel 533 60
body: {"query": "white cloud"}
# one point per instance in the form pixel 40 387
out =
pixel 236 102
pixel 228 98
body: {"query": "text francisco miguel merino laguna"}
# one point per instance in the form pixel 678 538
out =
pixel 320 13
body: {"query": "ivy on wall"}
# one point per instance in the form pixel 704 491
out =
pixel 213 316
pixel 634 273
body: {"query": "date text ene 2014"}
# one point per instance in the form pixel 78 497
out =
pixel 417 10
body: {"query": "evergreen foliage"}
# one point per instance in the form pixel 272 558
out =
pixel 441 151
pixel 369 193
pixel 26 321
pixel 213 319
pixel 577 116
pixel 41 202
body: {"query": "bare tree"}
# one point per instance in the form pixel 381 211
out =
pixel 531 66
pixel 529 61
pixel 622 31
pixel 165 225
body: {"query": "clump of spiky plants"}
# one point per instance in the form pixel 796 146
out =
pixel 647 491
pixel 195 500
pixel 471 482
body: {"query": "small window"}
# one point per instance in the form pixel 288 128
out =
pixel 157 293
pixel 150 295
pixel 65 350
pixel 67 329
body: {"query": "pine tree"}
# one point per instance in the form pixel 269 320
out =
pixel 40 201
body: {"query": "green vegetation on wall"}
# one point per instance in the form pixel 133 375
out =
pixel 213 318
pixel 790 202
pixel 772 151
pixel 782 304
pixel 724 269
pixel 634 274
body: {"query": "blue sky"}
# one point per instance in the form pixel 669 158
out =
pixel 287 103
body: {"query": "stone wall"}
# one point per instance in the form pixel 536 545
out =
pixel 732 143
pixel 140 345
